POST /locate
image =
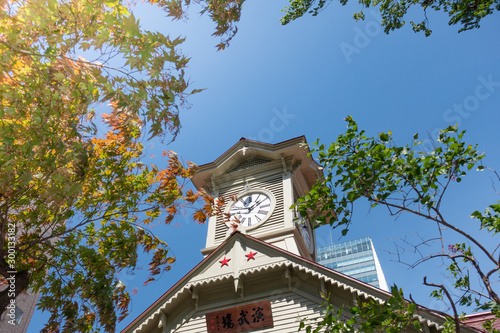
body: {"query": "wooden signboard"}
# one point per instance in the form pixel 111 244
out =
pixel 240 318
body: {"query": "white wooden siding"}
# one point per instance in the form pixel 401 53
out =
pixel 285 307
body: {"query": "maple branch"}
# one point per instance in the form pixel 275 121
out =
pixel 42 240
pixel 21 51
pixel 33 54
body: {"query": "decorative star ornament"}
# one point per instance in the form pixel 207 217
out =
pixel 251 255
pixel 224 262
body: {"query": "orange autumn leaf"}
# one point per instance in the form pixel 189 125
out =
pixel 199 216
pixel 190 196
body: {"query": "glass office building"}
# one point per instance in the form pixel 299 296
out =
pixel 356 258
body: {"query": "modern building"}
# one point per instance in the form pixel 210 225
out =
pixel 356 258
pixel 17 318
pixel 259 274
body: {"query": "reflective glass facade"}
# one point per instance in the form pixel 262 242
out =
pixel 356 258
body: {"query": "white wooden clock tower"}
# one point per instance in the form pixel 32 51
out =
pixel 263 276
pixel 266 179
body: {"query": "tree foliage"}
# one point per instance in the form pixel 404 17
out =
pixel 467 14
pixel 411 179
pixel 81 87
pixel 392 316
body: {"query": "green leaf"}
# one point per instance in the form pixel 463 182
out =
pixel 384 137
pixel 59 76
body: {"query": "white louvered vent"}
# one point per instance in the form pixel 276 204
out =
pixel 249 163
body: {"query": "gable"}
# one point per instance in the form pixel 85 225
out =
pixel 244 270
pixel 246 154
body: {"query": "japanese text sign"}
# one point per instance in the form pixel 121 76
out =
pixel 240 318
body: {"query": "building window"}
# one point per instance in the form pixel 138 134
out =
pixel 19 315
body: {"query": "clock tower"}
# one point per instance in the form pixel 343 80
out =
pixel 259 272
pixel 259 183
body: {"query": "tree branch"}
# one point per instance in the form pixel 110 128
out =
pixel 440 221
pixel 455 313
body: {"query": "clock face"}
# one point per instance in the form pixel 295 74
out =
pixel 251 209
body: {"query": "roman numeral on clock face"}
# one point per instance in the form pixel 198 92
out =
pixel 262 212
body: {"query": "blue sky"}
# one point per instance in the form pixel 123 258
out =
pixel 277 82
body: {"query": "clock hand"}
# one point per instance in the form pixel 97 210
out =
pixel 240 210
pixel 255 205
pixel 257 202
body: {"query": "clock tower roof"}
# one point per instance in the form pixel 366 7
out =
pixel 246 149
pixel 257 184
